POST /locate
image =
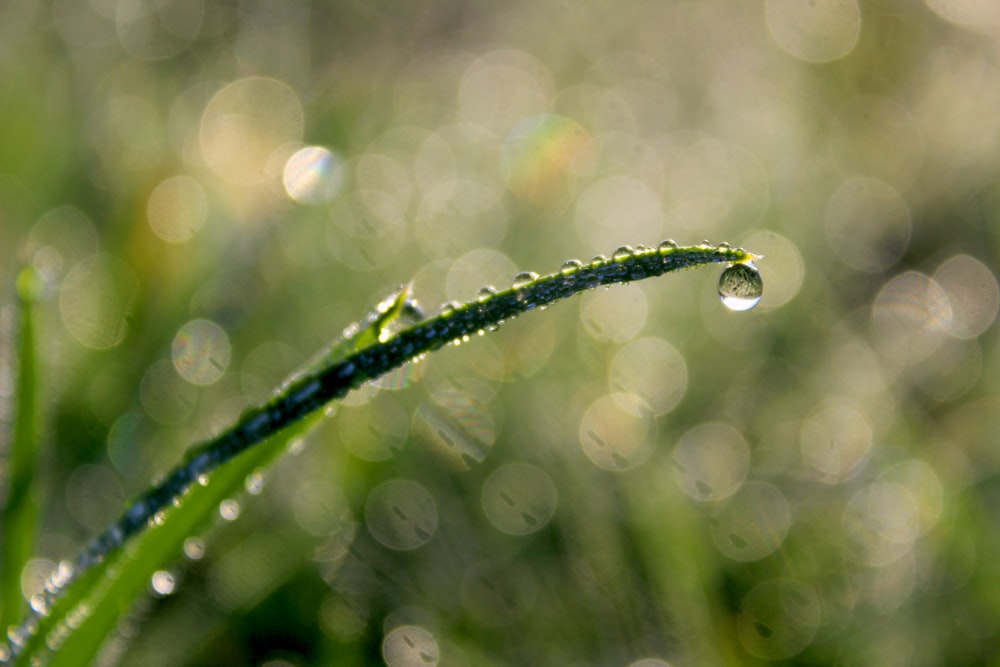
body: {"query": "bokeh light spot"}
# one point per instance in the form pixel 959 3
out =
pixel 711 462
pixel 544 157
pixel 815 31
pixel 401 514
pixel 972 292
pixel 244 123
pixel 653 370
pixel 410 646
pixel 519 498
pixel 911 317
pixel 97 300
pixel 752 523
pixel 778 619
pixel 835 441
pixel 617 432
pixel 313 175
pixel 201 352
pixel 882 520
pixel 177 209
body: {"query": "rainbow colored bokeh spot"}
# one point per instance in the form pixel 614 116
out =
pixel 544 157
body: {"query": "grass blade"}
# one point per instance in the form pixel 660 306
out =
pixel 87 602
pixel 19 520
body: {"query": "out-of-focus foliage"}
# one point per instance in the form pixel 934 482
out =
pixel 211 191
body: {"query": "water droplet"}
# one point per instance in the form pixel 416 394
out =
pixel 571 266
pixel 449 307
pixel 740 287
pixel 194 548
pixel 487 292
pixel 524 278
pixel 598 260
pixel 163 583
pixel 229 510
pixel 40 604
pixel 623 253
pixel 669 244
pixel 724 246
pixel 254 483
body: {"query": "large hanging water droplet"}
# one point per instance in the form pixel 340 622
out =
pixel 740 287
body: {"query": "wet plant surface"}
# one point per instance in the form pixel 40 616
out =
pixel 195 197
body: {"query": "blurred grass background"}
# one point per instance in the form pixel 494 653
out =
pixel 638 477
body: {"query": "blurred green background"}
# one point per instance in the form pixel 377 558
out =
pixel 637 477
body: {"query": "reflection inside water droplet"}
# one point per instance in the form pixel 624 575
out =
pixel 740 287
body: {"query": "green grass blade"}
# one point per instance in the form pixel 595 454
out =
pixel 19 521
pixel 127 572
pixel 106 578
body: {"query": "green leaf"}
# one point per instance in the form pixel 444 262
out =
pixel 19 521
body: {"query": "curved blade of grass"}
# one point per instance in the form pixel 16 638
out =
pixel 107 578
pixel 19 521
pixel 79 621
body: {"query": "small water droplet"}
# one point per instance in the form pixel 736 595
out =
pixel 40 604
pixel 229 510
pixel 724 246
pixel 740 287
pixel 598 260
pixel 669 244
pixel 623 253
pixel 487 292
pixel 254 483
pixel 571 266
pixel 203 479
pixel 163 583
pixel 524 278
pixel 194 548
pixel 448 307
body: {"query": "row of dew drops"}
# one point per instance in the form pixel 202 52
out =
pixel 740 285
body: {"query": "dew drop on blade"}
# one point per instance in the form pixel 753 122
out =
pixel 524 279
pixel 740 287
pixel 623 253
pixel 571 266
